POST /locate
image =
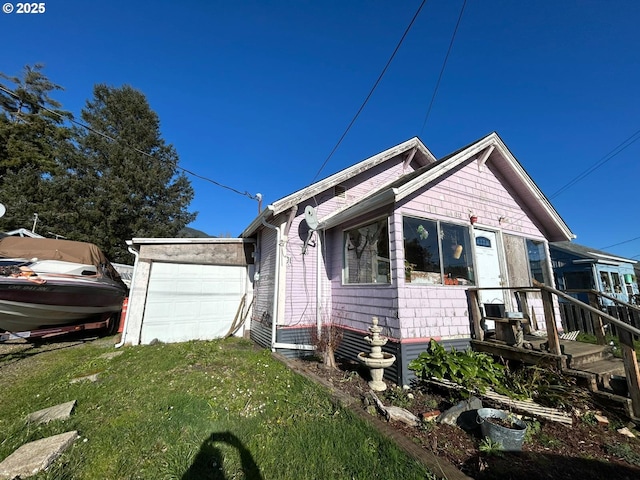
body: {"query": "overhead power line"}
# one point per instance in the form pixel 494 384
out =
pixel 135 149
pixel 444 64
pixel 620 243
pixel 355 117
pixel 620 148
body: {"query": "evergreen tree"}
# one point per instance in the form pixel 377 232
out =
pixel 34 136
pixel 127 184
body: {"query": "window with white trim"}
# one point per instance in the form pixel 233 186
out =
pixel 366 254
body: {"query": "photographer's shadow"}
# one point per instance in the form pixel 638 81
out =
pixel 208 464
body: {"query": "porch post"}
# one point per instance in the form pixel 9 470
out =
pixel 631 369
pixel 550 322
pixel 596 320
pixel 476 314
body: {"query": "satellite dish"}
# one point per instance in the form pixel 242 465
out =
pixel 311 217
pixel 312 220
pixel 3 210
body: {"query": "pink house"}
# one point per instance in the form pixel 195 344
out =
pixel 401 236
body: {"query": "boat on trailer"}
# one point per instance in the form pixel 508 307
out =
pixel 54 284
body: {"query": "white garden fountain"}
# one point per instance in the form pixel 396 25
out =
pixel 376 360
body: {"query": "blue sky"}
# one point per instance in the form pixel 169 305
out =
pixel 255 94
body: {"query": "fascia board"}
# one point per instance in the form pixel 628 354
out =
pixel 477 148
pixel 267 213
pixel 184 241
pixel 612 258
pixel 376 201
pixel 528 182
pixel 346 174
pixel 448 164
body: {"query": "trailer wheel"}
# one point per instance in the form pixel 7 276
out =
pixel 114 323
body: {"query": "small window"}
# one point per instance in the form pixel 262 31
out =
pixel 617 285
pixel 366 254
pixel 605 282
pixel 483 242
pixel 538 260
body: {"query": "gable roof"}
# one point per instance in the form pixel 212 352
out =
pixel 591 254
pixel 413 148
pixel 490 147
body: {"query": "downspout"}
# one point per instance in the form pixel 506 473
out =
pixel 133 279
pixel 280 237
pixel 318 283
pixel 276 284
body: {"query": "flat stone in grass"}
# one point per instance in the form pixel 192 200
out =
pixel 111 355
pixel 87 378
pixel 33 457
pixel 58 412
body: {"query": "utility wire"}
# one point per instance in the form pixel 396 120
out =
pixel 620 243
pixel 617 150
pixel 444 64
pixel 353 120
pixel 112 139
pixel 620 148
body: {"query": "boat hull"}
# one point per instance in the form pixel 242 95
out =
pixel 25 305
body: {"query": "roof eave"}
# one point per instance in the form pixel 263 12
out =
pixel 374 202
pixel 266 214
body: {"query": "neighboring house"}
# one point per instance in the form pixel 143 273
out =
pixel 400 236
pixel 577 267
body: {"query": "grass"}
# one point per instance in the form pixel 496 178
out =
pixel 610 340
pixel 195 410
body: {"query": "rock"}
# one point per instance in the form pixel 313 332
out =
pixel 431 416
pixel 626 432
pixel 468 420
pixel 397 414
pixel 88 378
pixel 393 413
pixel 33 457
pixel 602 420
pixel 111 355
pixel 58 412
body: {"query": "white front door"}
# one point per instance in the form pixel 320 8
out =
pixel 488 272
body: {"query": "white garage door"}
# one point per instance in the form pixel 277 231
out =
pixel 191 302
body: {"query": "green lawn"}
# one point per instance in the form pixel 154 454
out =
pixel 196 410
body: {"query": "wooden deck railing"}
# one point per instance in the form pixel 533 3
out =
pixel 625 331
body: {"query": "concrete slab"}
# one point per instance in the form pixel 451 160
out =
pixel 57 412
pixel 89 378
pixel 111 355
pixel 33 457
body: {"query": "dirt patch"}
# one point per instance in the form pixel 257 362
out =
pixel 587 450
pixel 17 356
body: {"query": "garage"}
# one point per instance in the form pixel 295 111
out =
pixel 188 289
pixel 186 302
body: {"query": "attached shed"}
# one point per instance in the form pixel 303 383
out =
pixel 188 289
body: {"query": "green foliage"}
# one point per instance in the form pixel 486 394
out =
pixel 172 410
pixel 115 180
pixel 534 427
pixel 477 371
pixel 398 397
pixel 625 452
pixel 491 447
pixel 473 370
pixel 589 418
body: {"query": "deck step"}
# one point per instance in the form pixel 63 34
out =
pixel 582 354
pixel 613 366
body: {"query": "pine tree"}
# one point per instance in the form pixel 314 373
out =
pixel 127 185
pixel 34 135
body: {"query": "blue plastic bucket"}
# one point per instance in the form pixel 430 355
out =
pixel 510 438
